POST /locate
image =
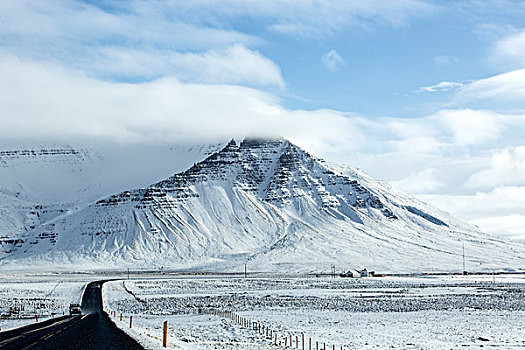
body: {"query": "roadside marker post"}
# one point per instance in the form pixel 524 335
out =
pixel 165 335
pixel 130 321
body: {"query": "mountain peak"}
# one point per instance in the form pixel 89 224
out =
pixel 266 200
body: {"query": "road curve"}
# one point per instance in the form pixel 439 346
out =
pixel 92 330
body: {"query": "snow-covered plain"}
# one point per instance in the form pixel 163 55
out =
pixel 421 313
pixel 23 297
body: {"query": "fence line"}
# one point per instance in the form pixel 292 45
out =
pixel 285 339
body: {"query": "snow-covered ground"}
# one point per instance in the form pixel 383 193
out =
pixel 423 313
pixel 24 297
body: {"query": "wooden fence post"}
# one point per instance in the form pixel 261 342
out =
pixel 130 321
pixel 121 317
pixel 302 341
pixel 165 335
pixel 36 318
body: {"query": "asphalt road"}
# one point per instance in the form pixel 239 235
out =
pixel 92 330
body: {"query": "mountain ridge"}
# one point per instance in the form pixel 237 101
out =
pixel 269 203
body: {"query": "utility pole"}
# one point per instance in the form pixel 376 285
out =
pixel 464 269
pixel 245 273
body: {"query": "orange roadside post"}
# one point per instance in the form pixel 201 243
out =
pixel 165 335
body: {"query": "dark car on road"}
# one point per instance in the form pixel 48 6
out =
pixel 74 309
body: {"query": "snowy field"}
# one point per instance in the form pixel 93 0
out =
pixel 410 313
pixel 24 297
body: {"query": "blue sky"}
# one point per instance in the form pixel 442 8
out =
pixel 428 95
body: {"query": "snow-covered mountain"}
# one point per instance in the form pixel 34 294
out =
pixel 270 204
pixel 41 182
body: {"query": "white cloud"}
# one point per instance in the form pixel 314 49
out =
pixel 46 101
pixel 458 143
pixel 135 42
pixel 70 31
pixel 308 18
pixel 440 87
pixel 506 168
pixel 332 60
pixel 471 127
pixel 74 24
pixel 192 41
pixel 417 144
pixel 141 43
pixel 448 130
pixel 446 60
pixel 233 65
pixel 499 211
pixel 425 181
pixel 503 92
pixel 510 50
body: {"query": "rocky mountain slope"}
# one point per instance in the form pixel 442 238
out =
pixel 273 206
pixel 41 182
